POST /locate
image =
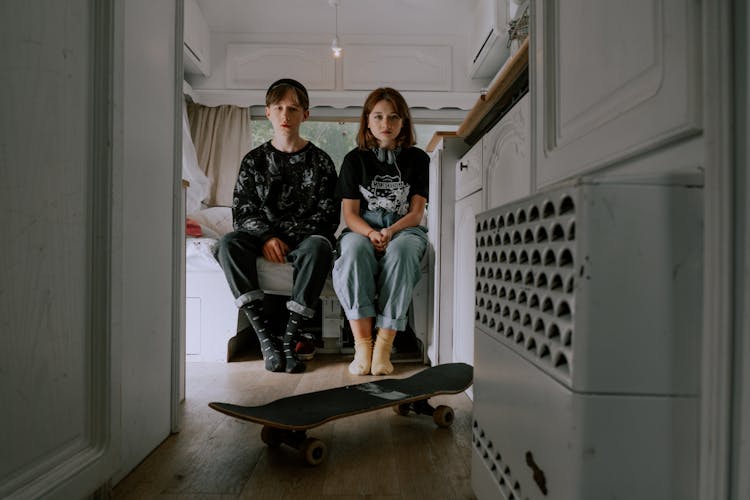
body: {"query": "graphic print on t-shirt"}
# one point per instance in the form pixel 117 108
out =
pixel 387 192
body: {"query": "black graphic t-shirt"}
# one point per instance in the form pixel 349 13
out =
pixel 383 187
pixel 286 195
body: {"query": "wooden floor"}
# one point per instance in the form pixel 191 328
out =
pixel 376 455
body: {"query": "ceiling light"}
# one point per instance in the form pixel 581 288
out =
pixel 335 46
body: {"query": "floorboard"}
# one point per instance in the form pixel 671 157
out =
pixel 376 456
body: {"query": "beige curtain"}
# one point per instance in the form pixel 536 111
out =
pixel 222 138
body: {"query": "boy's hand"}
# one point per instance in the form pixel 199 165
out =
pixel 275 250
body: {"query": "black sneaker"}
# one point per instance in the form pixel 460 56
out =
pixel 304 349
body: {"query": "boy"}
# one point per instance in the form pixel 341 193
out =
pixel 284 211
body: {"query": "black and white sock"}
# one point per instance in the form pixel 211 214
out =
pixel 293 365
pixel 269 348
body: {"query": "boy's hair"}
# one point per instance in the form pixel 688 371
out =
pixel 407 136
pixel 279 88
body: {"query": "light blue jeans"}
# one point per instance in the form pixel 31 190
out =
pixel 359 276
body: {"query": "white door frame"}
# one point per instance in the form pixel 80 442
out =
pixel 740 483
pixel 178 239
pixel 719 238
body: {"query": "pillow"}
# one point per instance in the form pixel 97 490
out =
pixel 215 221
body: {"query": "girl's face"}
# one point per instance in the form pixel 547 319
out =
pixel 384 123
pixel 286 115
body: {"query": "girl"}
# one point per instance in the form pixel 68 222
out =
pixel 383 186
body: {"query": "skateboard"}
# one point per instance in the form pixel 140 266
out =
pixel 286 420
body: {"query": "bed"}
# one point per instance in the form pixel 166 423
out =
pixel 212 318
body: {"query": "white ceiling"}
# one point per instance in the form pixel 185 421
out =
pixel 356 17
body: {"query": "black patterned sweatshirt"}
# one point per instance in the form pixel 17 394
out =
pixel 286 195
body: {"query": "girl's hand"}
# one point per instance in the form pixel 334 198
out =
pixel 386 235
pixel 377 240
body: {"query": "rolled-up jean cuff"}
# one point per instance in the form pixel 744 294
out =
pixel 390 323
pixel 248 297
pixel 362 312
pixel 300 309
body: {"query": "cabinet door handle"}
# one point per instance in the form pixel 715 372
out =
pixel 462 166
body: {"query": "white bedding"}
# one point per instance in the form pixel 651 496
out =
pixel 214 221
pixel 199 255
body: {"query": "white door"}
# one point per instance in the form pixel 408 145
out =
pixel 57 385
pixel 465 278
pixel 87 168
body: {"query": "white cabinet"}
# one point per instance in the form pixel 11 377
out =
pixel 464 277
pixel 612 80
pixel 609 250
pixel 196 41
pixel 469 179
pixel 494 171
pixel 406 67
pixel 469 176
pixel 441 220
pixel 253 65
pixel 505 154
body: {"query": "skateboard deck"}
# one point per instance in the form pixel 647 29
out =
pixel 285 420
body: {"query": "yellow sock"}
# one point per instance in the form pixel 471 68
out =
pixel 381 355
pixel 362 357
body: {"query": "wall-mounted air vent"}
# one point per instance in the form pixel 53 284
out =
pixel 526 279
pixel 488 39
pixel 589 281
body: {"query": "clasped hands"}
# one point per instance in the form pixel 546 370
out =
pixel 380 239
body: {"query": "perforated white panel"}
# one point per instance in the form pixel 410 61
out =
pixel 589 281
pixel 526 279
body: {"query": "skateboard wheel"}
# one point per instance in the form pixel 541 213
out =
pixel 314 451
pixel 443 416
pixel 402 409
pixel 270 436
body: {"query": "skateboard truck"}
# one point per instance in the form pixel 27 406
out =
pixel 313 450
pixel 442 415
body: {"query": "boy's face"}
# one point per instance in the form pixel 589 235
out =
pixel 286 115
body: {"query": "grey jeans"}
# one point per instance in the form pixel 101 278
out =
pixel 312 260
pixel 359 276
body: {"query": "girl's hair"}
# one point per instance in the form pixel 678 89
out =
pixel 407 136
pixel 279 88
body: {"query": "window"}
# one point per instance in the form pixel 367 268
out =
pixel 338 138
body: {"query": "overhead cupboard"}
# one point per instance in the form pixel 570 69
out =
pixel 196 41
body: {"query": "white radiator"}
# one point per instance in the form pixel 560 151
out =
pixel 588 320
